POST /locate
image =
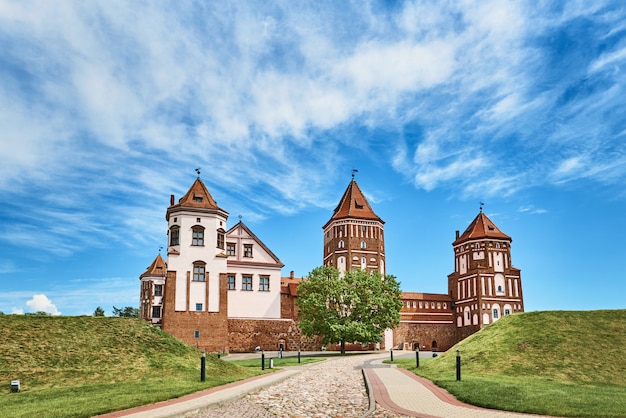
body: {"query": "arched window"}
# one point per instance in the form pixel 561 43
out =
pixel 197 235
pixel 341 244
pixel 199 269
pixel 363 245
pixel 175 235
pixel 220 238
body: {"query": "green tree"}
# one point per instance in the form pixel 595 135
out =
pixel 99 311
pixel 127 312
pixel 356 307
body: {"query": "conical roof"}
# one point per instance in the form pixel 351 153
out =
pixel 157 268
pixel 353 204
pixel 197 197
pixel 481 227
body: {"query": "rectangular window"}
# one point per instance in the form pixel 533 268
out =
pixel 231 282
pixel 174 236
pixel 247 250
pixel 198 273
pixel 495 314
pixel 197 237
pixel 156 311
pixel 196 334
pixel 264 283
pixel 230 248
pixel 220 239
pixel 158 290
pixel 198 306
pixel 246 283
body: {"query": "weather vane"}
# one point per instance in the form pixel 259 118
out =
pixel 160 248
pixel 240 217
pixel 354 170
pixel 198 171
pixel 481 206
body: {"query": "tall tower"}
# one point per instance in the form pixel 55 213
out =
pixel 196 229
pixel 354 235
pixel 484 285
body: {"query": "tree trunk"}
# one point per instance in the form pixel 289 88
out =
pixel 343 346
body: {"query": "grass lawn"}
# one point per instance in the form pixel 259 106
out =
pixel 278 362
pixel 540 363
pixel 84 366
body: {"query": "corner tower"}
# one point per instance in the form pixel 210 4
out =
pixel 354 235
pixel 484 285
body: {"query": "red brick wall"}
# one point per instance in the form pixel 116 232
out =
pixel 246 334
pixel 425 334
pixel 212 326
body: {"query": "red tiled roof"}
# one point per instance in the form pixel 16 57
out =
pixel 157 268
pixel 481 227
pixel 197 196
pixel 353 204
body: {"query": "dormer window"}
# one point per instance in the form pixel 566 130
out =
pixel 247 250
pixel 357 205
pixel 197 198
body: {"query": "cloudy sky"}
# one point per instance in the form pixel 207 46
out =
pixel 107 107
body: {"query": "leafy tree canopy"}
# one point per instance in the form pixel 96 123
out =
pixel 99 311
pixel 356 307
pixel 127 312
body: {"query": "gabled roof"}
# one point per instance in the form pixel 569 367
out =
pixel 353 204
pixel 157 268
pixel 241 225
pixel 481 227
pixel 197 197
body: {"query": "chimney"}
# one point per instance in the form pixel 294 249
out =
pixel 457 234
pixel 291 274
pixel 172 200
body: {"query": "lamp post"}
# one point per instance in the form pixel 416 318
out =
pixel 203 366
pixel 458 365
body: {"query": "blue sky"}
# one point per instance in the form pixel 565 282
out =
pixel 107 107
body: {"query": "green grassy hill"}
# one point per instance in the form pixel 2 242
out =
pixel 81 366
pixel 570 363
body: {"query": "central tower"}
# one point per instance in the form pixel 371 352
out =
pixel 354 235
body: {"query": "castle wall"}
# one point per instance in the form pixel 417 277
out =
pixel 244 335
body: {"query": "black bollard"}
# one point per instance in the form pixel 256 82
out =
pixel 203 366
pixel 458 365
pixel 391 351
pixel 298 356
pixel 417 359
pixel 263 360
pixel 218 354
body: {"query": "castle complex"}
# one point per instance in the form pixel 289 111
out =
pixel 222 290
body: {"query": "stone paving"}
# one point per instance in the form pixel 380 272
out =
pixel 330 389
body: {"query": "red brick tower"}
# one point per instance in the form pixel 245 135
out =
pixel 354 235
pixel 484 285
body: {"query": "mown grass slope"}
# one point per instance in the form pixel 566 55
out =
pixel 82 366
pixel 567 363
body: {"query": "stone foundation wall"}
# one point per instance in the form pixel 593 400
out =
pixel 407 335
pixel 244 335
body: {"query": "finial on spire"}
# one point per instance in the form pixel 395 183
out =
pixel 481 206
pixel 198 171
pixel 354 170
pixel 160 248
pixel 240 217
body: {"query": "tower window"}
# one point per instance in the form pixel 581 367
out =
pixel 156 311
pixel 341 244
pixel 495 314
pixel 198 271
pixel 174 235
pixel 230 248
pixel 197 198
pixel 220 238
pixel 158 290
pixel 197 236
pixel 247 250
pixel 198 306
pixel 196 334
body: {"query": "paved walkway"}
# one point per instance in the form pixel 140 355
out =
pixel 396 392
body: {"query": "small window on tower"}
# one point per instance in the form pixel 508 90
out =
pixel 197 198
pixel 158 290
pixel 357 205
pixel 174 236
pixel 363 245
pixel 196 334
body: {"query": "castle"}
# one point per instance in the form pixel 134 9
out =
pixel 221 290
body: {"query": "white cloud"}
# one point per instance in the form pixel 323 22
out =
pixel 17 311
pixel 41 303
